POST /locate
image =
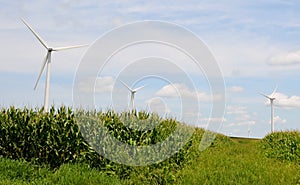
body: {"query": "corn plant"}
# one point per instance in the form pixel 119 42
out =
pixel 282 145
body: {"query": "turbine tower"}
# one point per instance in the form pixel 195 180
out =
pixel 271 98
pixel 47 60
pixel 249 132
pixel 132 93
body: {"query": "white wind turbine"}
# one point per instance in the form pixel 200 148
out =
pixel 271 98
pixel 47 60
pixel 132 93
pixel 249 131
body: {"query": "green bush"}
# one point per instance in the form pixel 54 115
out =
pixel 284 145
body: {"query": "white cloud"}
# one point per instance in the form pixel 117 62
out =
pixel 236 89
pixel 240 116
pixel 279 120
pixel 105 84
pixel 285 59
pixel 243 123
pixel 169 91
pixel 98 85
pixel 211 123
pixel 284 101
pixel 236 110
pixel 213 120
pixel 158 105
pixel 181 90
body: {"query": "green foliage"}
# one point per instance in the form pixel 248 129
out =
pixel 132 129
pixel 282 145
pixel 61 147
pixel 50 138
pixel 62 136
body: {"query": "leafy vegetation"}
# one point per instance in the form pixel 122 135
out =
pixel 60 137
pixel 240 161
pixel 46 138
pixel 282 145
pixel 52 148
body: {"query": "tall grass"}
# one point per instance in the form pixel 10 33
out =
pixel 239 162
pixel 22 172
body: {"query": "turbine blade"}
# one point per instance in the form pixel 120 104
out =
pixel 126 85
pixel 41 71
pixel 139 88
pixel 69 47
pixel 274 91
pixel 35 33
pixel 265 95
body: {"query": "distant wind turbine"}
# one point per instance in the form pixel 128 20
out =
pixel 249 132
pixel 132 93
pixel 271 98
pixel 47 60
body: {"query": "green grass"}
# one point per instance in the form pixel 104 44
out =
pixel 21 172
pixel 79 174
pixel 241 161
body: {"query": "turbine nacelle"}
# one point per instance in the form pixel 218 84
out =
pixel 270 97
pixel 132 92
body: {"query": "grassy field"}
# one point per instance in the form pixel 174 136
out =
pixel 238 162
pixel 241 162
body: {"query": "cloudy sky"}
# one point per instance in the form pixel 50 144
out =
pixel 256 44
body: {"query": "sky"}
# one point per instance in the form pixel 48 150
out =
pixel 255 43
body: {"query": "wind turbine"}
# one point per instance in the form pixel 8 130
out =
pixel 47 60
pixel 132 93
pixel 271 98
pixel 249 132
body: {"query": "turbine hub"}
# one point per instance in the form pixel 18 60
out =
pixel 50 49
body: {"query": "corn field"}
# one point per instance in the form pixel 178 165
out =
pixel 55 137
pixel 283 145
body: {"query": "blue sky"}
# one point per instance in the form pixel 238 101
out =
pixel 256 44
